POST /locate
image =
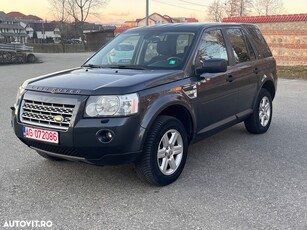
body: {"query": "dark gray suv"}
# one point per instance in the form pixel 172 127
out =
pixel 177 84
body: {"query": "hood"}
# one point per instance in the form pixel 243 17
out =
pixel 97 81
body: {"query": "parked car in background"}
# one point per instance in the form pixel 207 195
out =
pixel 122 53
pixel 73 41
pixel 148 94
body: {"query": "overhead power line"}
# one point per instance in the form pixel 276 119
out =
pixel 183 7
pixel 193 3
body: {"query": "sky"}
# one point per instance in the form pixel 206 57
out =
pixel 118 11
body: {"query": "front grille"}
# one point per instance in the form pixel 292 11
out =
pixel 45 114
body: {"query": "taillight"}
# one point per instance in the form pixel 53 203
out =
pixel 113 53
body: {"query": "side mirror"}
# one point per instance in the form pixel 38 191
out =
pixel 214 65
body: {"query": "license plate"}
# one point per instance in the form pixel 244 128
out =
pixel 41 135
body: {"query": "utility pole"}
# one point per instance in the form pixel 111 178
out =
pixel 147 12
pixel 242 8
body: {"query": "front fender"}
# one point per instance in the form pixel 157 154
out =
pixel 154 103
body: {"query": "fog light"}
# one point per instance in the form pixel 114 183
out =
pixel 105 136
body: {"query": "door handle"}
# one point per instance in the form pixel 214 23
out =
pixel 256 70
pixel 230 78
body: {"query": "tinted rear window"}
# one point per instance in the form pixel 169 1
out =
pixel 260 43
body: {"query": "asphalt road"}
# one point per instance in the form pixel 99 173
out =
pixel 233 180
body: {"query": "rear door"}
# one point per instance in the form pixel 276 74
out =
pixel 245 69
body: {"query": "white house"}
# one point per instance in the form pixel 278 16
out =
pixel 11 30
pixel 44 30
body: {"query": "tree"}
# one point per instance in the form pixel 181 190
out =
pixel 79 10
pixel 219 9
pixel 62 18
pixel 76 11
pixel 239 7
pixel 216 10
pixel 267 7
pixel 58 9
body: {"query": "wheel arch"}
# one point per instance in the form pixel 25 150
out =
pixel 183 115
pixel 269 86
pixel 177 109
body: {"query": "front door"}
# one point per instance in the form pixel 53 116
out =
pixel 217 94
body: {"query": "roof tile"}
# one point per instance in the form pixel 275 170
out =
pixel 268 18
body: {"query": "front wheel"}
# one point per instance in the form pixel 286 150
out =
pixel 259 122
pixel 165 152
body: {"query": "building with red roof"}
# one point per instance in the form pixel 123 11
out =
pixel 11 30
pixel 156 19
pixel 24 18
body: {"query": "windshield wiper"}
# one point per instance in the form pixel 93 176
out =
pixel 92 66
pixel 124 67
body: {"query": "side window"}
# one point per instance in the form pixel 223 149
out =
pixel 213 45
pixel 151 52
pixel 260 43
pixel 251 51
pixel 239 46
pixel 184 43
pixel 152 47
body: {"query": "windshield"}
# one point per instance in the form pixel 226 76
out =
pixel 145 50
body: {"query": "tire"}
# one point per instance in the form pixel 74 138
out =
pixel 48 157
pixel 31 58
pixel 165 166
pixel 260 121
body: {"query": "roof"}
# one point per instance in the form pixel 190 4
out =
pixel 268 18
pixel 167 18
pixel 5 17
pixel 91 26
pixel 16 14
pixel 14 34
pixel 121 29
pixel 191 19
pixel 11 26
pixel 32 17
pixel 49 26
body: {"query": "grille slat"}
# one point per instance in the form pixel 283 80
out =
pixel 42 114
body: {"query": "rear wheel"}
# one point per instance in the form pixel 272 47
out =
pixel 165 152
pixel 259 122
pixel 31 58
pixel 51 158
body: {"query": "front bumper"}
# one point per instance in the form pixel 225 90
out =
pixel 81 141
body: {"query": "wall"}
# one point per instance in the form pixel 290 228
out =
pixel 287 40
pixel 57 48
pixel 285 34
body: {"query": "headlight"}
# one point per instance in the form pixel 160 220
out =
pixel 20 91
pixel 108 106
